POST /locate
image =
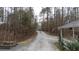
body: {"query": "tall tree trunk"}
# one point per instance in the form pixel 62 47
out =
pixel 43 17
pixel 62 16
pixel 75 14
pixel 2 13
pixel 54 18
pixel 47 21
pixel 30 15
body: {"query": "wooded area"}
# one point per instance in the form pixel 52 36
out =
pixel 59 17
pixel 17 23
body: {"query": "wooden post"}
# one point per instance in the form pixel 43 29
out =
pixel 73 33
pixel 60 38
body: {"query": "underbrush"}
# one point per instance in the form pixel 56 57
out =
pixel 70 45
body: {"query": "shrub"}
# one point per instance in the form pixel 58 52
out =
pixel 73 45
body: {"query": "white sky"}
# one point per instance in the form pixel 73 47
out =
pixel 37 11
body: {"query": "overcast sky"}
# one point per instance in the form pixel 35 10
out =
pixel 37 11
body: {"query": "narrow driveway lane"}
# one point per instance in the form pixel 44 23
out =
pixel 44 42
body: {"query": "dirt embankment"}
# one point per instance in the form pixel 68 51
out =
pixel 10 36
pixel 27 37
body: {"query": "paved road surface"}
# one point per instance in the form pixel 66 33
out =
pixel 42 42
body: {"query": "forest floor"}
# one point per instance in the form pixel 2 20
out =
pixel 41 42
